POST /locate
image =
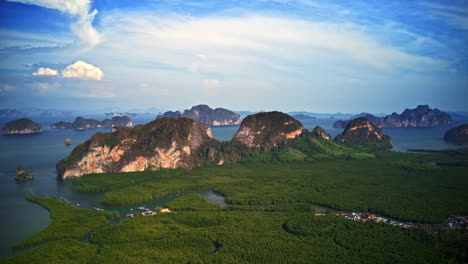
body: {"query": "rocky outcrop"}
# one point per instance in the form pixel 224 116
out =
pixel 457 134
pixel 421 116
pixel 320 132
pixel 267 130
pixel 205 114
pixel 361 130
pixel 21 126
pixel 163 143
pixel 62 125
pixel 83 123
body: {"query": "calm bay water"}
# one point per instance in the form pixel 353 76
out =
pixel 40 152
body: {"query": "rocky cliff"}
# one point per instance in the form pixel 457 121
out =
pixel 361 130
pixel 163 143
pixel 421 116
pixel 457 134
pixel 267 130
pixel 83 123
pixel 21 126
pixel 203 113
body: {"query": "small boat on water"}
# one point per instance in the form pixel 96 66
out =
pixel 68 141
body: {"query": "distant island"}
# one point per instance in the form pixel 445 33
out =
pixel 421 116
pixel 83 123
pixel 303 117
pixel 203 113
pixel 184 143
pixel 457 134
pixel 21 126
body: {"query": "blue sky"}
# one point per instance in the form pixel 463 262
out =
pixel 319 56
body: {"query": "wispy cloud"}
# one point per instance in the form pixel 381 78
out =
pixel 80 10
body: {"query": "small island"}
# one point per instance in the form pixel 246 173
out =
pixel 457 134
pixel 21 126
pixel 81 123
pixel 205 114
pixel 23 175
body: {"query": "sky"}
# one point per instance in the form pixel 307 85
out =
pixel 287 55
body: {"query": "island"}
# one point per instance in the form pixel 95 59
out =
pixel 360 130
pixel 83 123
pixel 203 113
pixel 23 175
pixel 457 134
pixel 21 126
pixel 421 116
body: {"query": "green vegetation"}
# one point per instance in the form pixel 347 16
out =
pixel 64 251
pixel 270 213
pixel 286 236
pixel 67 221
pixel 192 202
pixel 381 184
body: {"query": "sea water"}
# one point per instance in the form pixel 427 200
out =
pixel 40 153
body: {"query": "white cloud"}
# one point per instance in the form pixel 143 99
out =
pixel 6 88
pixel 45 71
pixel 83 70
pixel 80 9
pixel 210 84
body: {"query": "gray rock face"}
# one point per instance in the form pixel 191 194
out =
pixel 457 134
pixel 421 116
pixel 21 126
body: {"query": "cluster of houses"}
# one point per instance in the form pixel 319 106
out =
pixel 145 211
pixel 363 217
pixel 457 222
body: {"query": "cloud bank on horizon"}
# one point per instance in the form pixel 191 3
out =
pixel 319 56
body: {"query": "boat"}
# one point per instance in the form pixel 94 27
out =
pixel 68 141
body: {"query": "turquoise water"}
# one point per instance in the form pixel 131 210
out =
pixel 39 153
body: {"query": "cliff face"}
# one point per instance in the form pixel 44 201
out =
pixel 457 134
pixel 205 114
pixel 320 132
pixel 21 126
pixel 83 123
pixel 421 116
pixel 361 130
pixel 163 143
pixel 267 130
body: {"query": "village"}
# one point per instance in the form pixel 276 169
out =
pixel 145 211
pixel 454 222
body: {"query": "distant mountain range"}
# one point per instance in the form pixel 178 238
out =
pixel 83 123
pixel 421 116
